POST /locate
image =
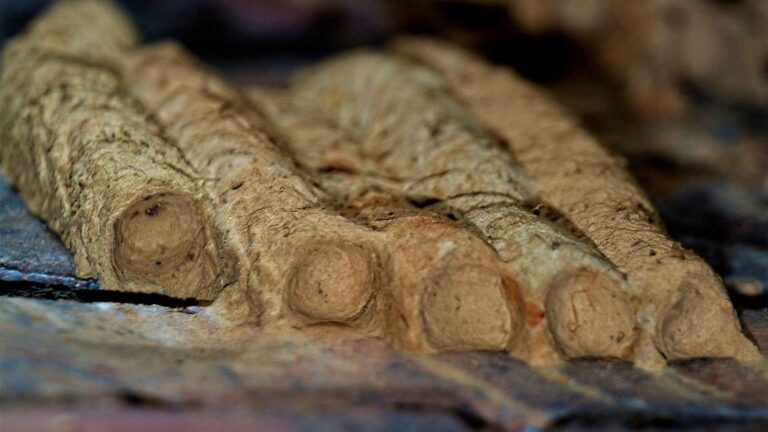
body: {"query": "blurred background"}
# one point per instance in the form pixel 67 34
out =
pixel 679 87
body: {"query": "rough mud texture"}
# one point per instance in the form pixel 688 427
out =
pixel 368 122
pixel 431 236
pixel 307 263
pixel 450 290
pixel 683 304
pixel 85 158
pixel 298 260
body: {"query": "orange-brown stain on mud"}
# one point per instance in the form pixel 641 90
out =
pixel 426 223
pixel 533 314
pixel 513 292
pixel 340 165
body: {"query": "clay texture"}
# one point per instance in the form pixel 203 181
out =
pixel 309 265
pixel 297 259
pixel 87 160
pixel 405 218
pixel 369 122
pixel 683 305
